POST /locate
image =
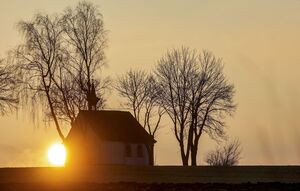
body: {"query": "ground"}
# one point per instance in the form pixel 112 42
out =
pixel 150 187
pixel 152 178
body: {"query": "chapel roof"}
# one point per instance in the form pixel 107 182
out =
pixel 111 126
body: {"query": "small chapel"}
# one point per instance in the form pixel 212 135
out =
pixel 107 137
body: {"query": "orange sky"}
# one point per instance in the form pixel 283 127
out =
pixel 259 42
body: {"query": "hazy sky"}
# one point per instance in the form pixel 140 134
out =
pixel 259 41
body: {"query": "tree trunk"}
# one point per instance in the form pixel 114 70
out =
pixel 194 151
pixel 61 135
pixel 184 157
pixel 189 143
pixel 185 160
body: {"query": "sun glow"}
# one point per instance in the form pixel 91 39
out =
pixel 57 154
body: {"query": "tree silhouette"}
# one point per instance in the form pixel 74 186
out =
pixel 61 60
pixel 86 41
pixel 141 94
pixel 227 155
pixel 195 95
pixel 39 58
pixel 9 83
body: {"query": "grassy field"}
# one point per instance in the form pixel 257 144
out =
pixel 157 174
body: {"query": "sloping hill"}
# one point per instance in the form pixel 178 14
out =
pixel 157 174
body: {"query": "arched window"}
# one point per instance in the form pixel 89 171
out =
pixel 128 150
pixel 139 151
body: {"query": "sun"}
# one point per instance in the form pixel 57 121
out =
pixel 57 154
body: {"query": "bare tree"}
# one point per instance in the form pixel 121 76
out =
pixel 86 41
pixel 211 101
pixel 175 73
pixel 196 96
pixel 39 58
pixel 133 86
pixel 8 88
pixel 141 94
pixel 60 60
pixel 228 155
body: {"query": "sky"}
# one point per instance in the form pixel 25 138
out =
pixel 258 40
